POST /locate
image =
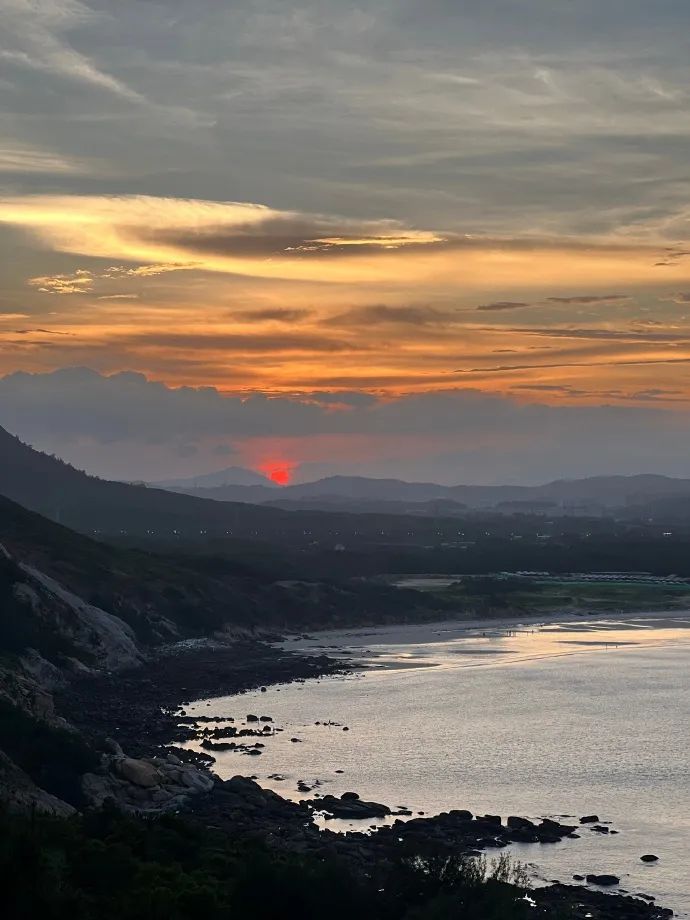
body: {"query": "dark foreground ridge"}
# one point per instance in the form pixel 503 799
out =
pixel 108 866
pixel 143 709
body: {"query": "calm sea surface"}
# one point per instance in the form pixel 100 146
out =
pixel 562 719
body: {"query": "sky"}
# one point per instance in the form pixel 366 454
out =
pixel 443 241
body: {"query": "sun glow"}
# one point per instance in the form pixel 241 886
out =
pixel 278 472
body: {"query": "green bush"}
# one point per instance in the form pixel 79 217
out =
pixel 54 758
pixel 103 866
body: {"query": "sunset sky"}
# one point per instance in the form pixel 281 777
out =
pixel 443 240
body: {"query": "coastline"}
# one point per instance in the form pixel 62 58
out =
pixel 505 622
pixel 483 640
pixel 140 708
pixel 140 702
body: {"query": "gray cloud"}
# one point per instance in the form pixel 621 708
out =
pixel 577 300
pixel 40 331
pixel 293 237
pixel 682 297
pixel 236 342
pixel 605 335
pixel 500 305
pixel 278 315
pixel 125 425
pixel 381 314
pixel 590 299
pixel 461 116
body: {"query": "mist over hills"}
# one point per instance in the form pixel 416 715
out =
pixel 335 509
pixel 597 494
pixel 52 488
pixel 230 476
pixel 130 427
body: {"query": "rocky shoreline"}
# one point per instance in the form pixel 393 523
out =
pixel 140 707
pixel 141 711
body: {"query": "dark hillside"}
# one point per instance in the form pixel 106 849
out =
pixel 163 597
pixel 85 503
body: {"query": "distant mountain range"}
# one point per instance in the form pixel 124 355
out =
pixel 231 476
pixel 331 511
pixel 53 488
pixel 580 496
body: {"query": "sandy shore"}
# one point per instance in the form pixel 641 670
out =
pixel 510 638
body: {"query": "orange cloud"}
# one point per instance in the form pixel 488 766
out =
pixel 167 234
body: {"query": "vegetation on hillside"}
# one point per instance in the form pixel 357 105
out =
pixel 103 866
pixel 166 596
pixel 52 756
pixel 490 596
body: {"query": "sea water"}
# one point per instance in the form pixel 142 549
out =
pixel 562 719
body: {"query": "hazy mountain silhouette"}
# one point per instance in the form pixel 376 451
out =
pixel 53 488
pixel 231 476
pixel 331 511
pixel 580 495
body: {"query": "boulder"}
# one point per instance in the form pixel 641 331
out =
pixel 97 789
pixel 606 881
pixel 517 823
pixel 351 808
pixel 196 781
pixel 589 819
pixel 554 827
pixel 252 718
pixel 649 858
pixel 113 747
pixel 491 819
pixel 140 772
pixel 460 814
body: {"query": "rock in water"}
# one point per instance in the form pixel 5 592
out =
pixel 518 823
pixel 649 858
pixel 605 881
pixel 350 808
pixel 492 819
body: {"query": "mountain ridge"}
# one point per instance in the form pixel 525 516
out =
pixel 230 476
pixel 58 491
pixel 608 491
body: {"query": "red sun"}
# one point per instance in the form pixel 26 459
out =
pixel 280 475
pixel 278 471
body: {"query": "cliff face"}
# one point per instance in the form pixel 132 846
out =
pixel 71 606
pixel 46 629
pixel 19 793
pixel 47 634
pixel 51 634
